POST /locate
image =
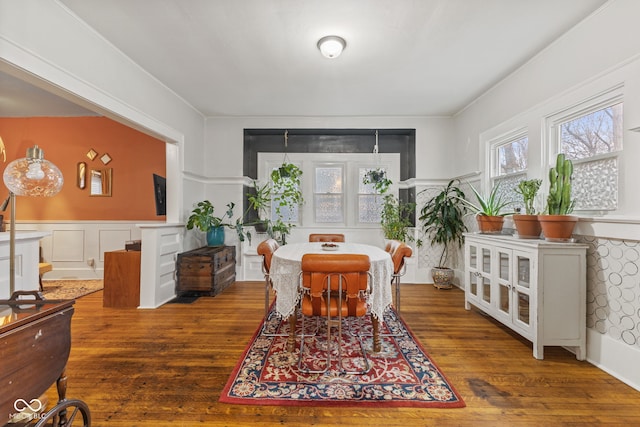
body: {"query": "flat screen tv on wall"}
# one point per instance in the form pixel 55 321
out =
pixel 160 193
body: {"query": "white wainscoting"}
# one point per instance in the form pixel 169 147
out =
pixel 76 249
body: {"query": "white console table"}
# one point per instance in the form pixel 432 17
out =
pixel 536 288
pixel 27 257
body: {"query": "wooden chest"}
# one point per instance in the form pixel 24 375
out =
pixel 206 271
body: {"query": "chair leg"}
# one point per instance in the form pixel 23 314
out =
pixel 367 364
pixel 301 354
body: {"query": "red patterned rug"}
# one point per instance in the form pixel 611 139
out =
pixel 402 373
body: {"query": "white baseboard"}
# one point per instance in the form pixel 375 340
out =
pixel 614 357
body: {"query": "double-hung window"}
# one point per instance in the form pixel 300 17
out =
pixel 509 162
pixel 590 134
pixel 333 189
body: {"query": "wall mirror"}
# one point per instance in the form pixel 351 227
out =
pixel 101 182
pixel 82 175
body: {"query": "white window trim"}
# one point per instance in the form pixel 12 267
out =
pixel 550 136
pixel 351 161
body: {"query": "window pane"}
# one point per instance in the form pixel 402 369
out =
pixel 512 157
pixel 507 190
pixel 287 214
pixel 328 180
pixel 328 208
pixel 595 185
pixel 369 208
pixel 596 133
pixel 362 187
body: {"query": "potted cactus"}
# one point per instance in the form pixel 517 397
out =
pixel 527 224
pixel 557 224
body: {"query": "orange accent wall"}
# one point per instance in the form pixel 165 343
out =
pixel 65 142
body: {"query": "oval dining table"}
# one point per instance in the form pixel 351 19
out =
pixel 285 276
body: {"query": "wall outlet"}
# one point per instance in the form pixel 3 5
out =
pixel 91 262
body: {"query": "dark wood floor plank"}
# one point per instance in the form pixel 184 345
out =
pixel 168 367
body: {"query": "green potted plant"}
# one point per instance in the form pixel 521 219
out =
pixel 442 222
pixel 395 219
pixel 527 224
pixel 489 210
pixel 556 222
pixel 286 195
pixel 257 214
pixel 203 219
pixel 377 177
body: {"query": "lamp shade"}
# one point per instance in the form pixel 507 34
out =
pixel 33 175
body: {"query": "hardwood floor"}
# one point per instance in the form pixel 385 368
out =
pixel 168 367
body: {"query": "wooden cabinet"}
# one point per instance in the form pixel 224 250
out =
pixel 35 343
pixel 121 279
pixel 206 271
pixel 536 288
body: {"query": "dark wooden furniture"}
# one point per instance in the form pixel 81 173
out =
pixel 35 342
pixel 206 271
pixel 121 279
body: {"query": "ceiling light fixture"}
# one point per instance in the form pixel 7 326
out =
pixel 331 46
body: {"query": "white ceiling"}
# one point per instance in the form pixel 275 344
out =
pixel 259 57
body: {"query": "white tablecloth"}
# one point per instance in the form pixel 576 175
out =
pixel 286 266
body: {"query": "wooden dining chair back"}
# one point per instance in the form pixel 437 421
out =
pixel 398 251
pixel 334 286
pixel 332 237
pixel 266 248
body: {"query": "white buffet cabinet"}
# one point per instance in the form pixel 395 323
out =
pixel 536 288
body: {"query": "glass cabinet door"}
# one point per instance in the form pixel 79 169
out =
pixel 522 290
pixel 473 270
pixel 485 269
pixel 504 282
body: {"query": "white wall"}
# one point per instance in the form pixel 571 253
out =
pixel 599 53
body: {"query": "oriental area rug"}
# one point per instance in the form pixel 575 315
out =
pixel 70 289
pixel 402 374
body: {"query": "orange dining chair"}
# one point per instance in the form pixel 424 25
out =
pixel 334 237
pixel 398 251
pixel 335 287
pixel 266 248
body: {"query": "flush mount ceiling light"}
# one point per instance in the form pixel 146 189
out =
pixel 331 46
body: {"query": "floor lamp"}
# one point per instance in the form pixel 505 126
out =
pixel 30 176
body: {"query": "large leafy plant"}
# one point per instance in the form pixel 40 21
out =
pixel 442 219
pixel 395 218
pixel 202 216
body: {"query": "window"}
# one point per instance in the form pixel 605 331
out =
pixel 369 201
pixel 328 194
pixel 590 134
pixel 509 162
pixel 332 187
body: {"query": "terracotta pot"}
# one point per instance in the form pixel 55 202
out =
pixel 490 224
pixel 442 277
pixel 528 226
pixel 557 227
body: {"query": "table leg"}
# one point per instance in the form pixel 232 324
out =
pixel 61 385
pixel 376 334
pixel 291 341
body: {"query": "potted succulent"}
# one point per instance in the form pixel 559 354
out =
pixel 556 222
pixel 527 224
pixel 489 210
pixel 442 221
pixel 395 219
pixel 377 177
pixel 202 218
